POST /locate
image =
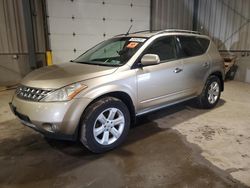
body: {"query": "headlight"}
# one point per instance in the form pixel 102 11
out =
pixel 65 93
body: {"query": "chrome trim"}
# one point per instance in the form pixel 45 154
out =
pixel 28 124
pixel 31 93
pixel 164 96
pixel 163 106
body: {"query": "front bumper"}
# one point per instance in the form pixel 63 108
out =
pixel 58 120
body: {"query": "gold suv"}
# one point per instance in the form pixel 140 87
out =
pixel 97 96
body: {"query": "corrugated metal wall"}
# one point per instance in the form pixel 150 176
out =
pixel 38 25
pixel 227 22
pixel 14 50
pixel 12 30
pixel 176 14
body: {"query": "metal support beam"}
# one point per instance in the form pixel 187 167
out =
pixel 195 15
pixel 27 11
pixel 46 25
pixel 151 16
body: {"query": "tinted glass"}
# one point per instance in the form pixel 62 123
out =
pixel 204 43
pixel 113 52
pixel 164 48
pixel 189 46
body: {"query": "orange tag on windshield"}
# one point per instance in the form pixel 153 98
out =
pixel 132 44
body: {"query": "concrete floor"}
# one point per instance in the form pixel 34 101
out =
pixel 181 146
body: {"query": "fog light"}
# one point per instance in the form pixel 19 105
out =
pixel 48 127
pixel 54 127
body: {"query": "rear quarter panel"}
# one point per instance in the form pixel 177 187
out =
pixel 216 61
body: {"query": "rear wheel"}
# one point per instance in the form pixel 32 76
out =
pixel 105 125
pixel 211 93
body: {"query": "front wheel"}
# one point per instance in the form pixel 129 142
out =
pixel 211 93
pixel 105 125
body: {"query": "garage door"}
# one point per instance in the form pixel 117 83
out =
pixel 77 25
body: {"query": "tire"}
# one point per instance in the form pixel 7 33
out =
pixel 210 97
pixel 104 125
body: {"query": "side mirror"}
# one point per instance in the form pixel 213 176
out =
pixel 150 59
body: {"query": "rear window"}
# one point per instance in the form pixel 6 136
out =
pixel 204 43
pixel 189 46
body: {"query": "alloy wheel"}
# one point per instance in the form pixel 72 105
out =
pixel 213 92
pixel 109 126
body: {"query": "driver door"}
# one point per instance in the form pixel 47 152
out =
pixel 161 83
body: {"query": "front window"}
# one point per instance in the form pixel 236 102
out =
pixel 113 52
pixel 164 47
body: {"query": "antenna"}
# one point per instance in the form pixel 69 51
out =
pixel 129 30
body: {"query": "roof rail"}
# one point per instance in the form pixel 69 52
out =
pixel 178 30
pixel 163 31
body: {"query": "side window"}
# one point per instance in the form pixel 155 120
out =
pixel 189 46
pixel 165 48
pixel 204 43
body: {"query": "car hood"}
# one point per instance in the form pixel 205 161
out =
pixel 57 76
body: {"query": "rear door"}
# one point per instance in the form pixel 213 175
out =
pixel 196 63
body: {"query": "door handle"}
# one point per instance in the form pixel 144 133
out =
pixel 206 64
pixel 177 70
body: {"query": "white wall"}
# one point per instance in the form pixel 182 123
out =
pixel 93 21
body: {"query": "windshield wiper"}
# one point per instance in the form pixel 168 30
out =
pixel 82 62
pixel 99 64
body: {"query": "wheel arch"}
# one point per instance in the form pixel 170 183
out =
pixel 123 96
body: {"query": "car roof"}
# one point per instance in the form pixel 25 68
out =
pixel 149 33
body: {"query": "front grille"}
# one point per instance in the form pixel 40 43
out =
pixel 30 93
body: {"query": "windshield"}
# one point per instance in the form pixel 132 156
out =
pixel 112 52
